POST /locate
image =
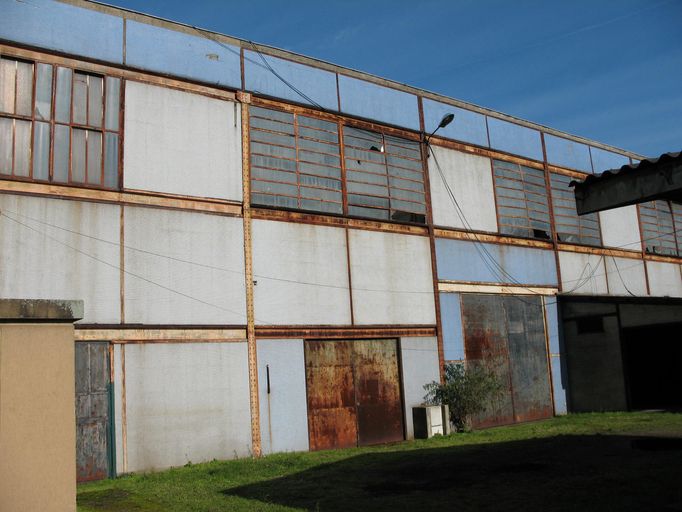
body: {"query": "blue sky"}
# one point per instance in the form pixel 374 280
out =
pixel 610 70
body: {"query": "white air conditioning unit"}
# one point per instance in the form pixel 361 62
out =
pixel 429 420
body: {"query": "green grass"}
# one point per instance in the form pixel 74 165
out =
pixel 575 462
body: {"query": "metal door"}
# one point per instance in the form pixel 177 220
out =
pixel 353 390
pixel 93 409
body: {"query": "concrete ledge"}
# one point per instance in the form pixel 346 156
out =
pixel 40 310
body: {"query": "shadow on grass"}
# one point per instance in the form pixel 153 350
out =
pixel 550 474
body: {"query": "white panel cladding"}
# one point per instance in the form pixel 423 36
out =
pixel 63 250
pixel 665 279
pixel 181 143
pixel 625 276
pixel 471 182
pixel 117 364
pixel 284 410
pixel 391 278
pixel 186 402
pixel 582 273
pixel 301 273
pixel 620 228
pixel 419 360
pixel 183 268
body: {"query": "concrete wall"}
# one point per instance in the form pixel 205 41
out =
pixel 186 402
pixel 582 273
pixel 57 249
pixel 470 179
pixel 38 433
pixel 302 274
pixel 625 276
pixel 181 143
pixel 392 278
pixel 620 228
pixel 191 268
pixel 665 279
pixel 283 411
pixel 419 359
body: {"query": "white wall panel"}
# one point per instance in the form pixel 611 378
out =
pixel 181 143
pixel 625 276
pixel 301 272
pixel 186 402
pixel 470 179
pixel 419 359
pixel 284 410
pixel 620 228
pixel 665 279
pixel 391 278
pixel 582 273
pixel 195 263
pixel 64 250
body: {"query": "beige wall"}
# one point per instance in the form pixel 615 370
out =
pixel 37 419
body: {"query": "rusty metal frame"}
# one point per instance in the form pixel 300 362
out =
pixel 344 332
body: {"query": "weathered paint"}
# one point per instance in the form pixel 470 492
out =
pixel 582 273
pixel 620 228
pixel 392 279
pixel 64 28
pixel 191 270
pixel 665 279
pixel 419 365
pixel 568 153
pixel 301 274
pixel 514 138
pixel 461 260
pixel 181 143
pixel 317 84
pixel 625 276
pixel 372 101
pixel 467 126
pixel 282 392
pixel 188 56
pixel 451 318
pixel 470 181
pixel 186 403
pixel 603 160
pixel 42 260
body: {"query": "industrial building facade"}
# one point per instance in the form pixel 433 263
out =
pixel 272 258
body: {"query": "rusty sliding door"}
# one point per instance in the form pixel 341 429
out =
pixel 94 439
pixel 354 393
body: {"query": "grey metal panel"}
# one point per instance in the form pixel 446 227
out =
pixel 468 126
pixel 420 366
pixel 63 27
pixel 186 402
pixel 665 279
pixel 283 407
pixel 316 84
pixel 568 153
pixel 514 138
pixel 451 320
pixel 371 101
pixel 625 276
pixel 582 273
pixel 188 56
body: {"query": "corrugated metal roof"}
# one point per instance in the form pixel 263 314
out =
pixel 665 158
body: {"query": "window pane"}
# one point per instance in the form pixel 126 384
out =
pixel 41 151
pixel 6 146
pixel 112 103
pixel 80 98
pixel 24 88
pixel 44 92
pixel 60 168
pixel 22 147
pixel 94 158
pixel 8 76
pixel 63 95
pixel 95 96
pixel 78 156
pixel 111 160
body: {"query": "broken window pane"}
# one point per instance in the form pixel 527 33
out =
pixel 43 108
pixel 80 98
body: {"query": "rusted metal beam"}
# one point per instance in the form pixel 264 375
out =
pixel 165 335
pixel 345 332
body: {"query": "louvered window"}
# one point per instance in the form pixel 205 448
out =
pixel 571 227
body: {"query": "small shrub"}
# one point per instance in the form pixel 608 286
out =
pixel 466 391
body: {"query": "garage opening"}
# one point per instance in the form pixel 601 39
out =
pixel 353 392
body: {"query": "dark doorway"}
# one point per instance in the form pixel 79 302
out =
pixel 652 357
pixel 354 396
